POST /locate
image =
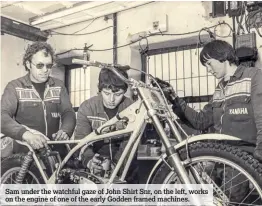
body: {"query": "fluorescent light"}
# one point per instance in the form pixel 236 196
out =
pixel 14 19
pixel 75 9
pixel 90 15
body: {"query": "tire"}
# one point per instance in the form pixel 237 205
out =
pixel 212 150
pixel 11 166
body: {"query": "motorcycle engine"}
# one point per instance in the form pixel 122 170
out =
pixel 82 176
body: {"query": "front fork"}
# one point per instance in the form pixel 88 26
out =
pixel 172 155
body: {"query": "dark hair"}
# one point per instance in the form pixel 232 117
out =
pixel 109 80
pixel 36 47
pixel 219 50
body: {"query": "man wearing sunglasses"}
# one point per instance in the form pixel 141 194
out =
pixel 95 112
pixel 37 103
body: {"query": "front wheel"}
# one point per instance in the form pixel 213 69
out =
pixel 236 176
pixel 10 167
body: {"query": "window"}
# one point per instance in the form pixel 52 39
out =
pixel 78 85
pixel 182 69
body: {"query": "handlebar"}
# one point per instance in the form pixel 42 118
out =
pixel 100 64
pixel 112 67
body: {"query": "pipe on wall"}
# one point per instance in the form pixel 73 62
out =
pixel 115 38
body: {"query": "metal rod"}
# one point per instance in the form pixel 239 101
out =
pixel 168 67
pixel 75 89
pixel 40 168
pixel 80 85
pixel 115 38
pixel 207 81
pixel 234 32
pixel 145 67
pixel 155 64
pixel 85 83
pixel 160 130
pixel 147 58
pixel 162 73
pixel 198 77
pixel 176 68
pixel 64 142
pixel 184 82
pixel 132 153
pixel 189 77
pixel 191 74
pixel 174 130
pixel 132 139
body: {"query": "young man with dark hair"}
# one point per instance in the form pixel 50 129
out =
pixel 37 102
pixel 94 112
pixel 236 106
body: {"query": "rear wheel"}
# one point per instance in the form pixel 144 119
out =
pixel 236 176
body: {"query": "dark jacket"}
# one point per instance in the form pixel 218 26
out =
pixel 235 109
pixel 21 105
pixel 90 116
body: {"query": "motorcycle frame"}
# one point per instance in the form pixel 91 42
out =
pixel 149 107
pixel 143 110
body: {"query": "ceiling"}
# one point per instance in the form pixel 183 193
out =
pixel 55 14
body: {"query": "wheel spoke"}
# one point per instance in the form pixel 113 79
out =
pixel 234 203
pixel 231 183
pixel 255 200
pixel 247 195
pixel 10 177
pixel 237 185
pixel 32 181
pixel 210 175
pixel 231 179
pixel 223 174
pixel 224 179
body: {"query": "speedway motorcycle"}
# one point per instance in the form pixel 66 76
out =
pixel 192 160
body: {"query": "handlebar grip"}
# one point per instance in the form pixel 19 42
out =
pixel 122 67
pixel 80 61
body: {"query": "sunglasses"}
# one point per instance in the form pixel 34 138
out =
pixel 41 65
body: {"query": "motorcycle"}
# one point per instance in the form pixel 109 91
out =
pixel 189 161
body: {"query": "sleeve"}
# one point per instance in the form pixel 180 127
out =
pixel 83 128
pixel 86 156
pixel 9 103
pixel 67 112
pixel 83 124
pixel 256 100
pixel 199 120
pixel 120 150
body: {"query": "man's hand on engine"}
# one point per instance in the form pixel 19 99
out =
pixel 95 163
pixel 258 152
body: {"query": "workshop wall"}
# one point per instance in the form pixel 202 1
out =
pixel 100 40
pixel 13 49
pixel 182 17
